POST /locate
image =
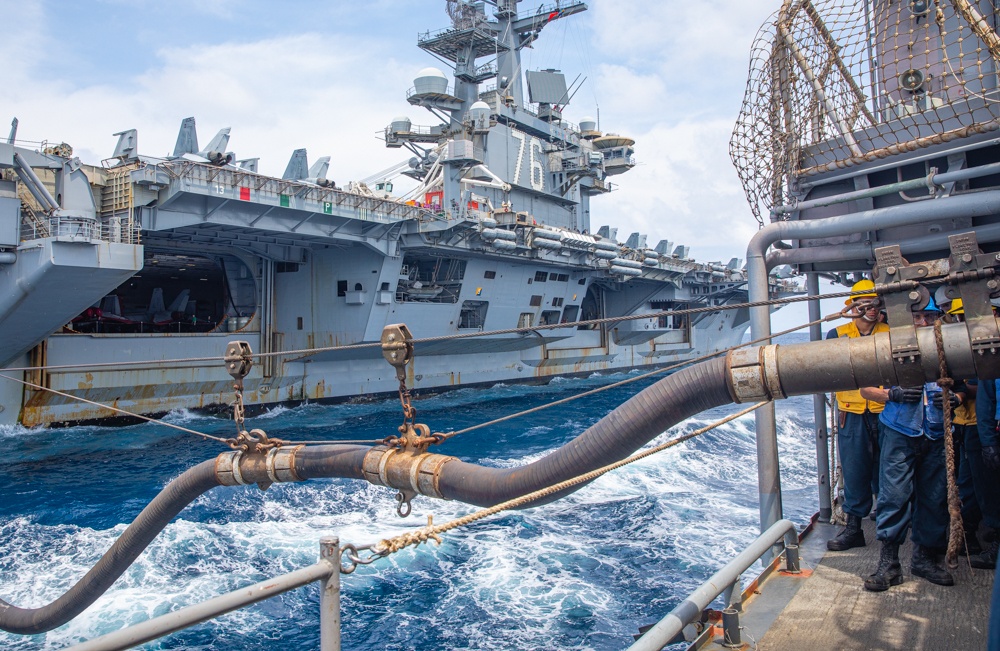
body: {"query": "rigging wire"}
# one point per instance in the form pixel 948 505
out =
pixel 643 376
pixel 447 435
pixel 432 531
pixel 461 335
pixel 123 412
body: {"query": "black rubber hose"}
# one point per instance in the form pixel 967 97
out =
pixel 313 462
pixel 636 422
pixel 171 501
pixel 620 433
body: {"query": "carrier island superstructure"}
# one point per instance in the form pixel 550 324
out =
pixel 170 258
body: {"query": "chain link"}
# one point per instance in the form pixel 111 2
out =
pixel 352 552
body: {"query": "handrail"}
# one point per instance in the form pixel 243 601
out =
pixel 665 630
pixel 327 570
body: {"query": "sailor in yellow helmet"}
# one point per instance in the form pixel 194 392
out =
pixel 858 434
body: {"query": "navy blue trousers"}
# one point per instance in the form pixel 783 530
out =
pixel 859 453
pixel 912 490
pixel 987 483
pixel 971 513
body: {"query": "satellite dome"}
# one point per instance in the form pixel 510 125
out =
pixel 430 80
pixel 588 124
pixel 430 72
pixel 479 113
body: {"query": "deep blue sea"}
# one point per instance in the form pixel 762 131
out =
pixel 581 573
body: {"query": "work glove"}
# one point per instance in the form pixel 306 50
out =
pixel 952 398
pixel 991 457
pixel 905 394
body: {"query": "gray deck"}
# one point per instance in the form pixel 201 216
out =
pixel 832 610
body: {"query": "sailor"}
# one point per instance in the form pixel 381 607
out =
pixel 858 432
pixel 912 481
pixel 983 453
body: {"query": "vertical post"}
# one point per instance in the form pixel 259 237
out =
pixel 731 629
pixel 768 479
pixel 329 596
pixel 819 412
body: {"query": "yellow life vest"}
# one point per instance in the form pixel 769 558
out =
pixel 851 401
pixel 965 413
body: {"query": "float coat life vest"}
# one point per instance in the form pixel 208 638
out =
pixel 851 401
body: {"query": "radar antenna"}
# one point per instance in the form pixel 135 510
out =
pixel 463 15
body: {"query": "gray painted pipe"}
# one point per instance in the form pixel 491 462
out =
pixel 664 631
pixel 866 251
pixel 892 188
pixel 819 413
pixel 33 183
pixel 8 257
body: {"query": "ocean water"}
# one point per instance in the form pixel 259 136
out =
pixel 581 573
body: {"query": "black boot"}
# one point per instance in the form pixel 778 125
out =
pixel 888 572
pixel 987 560
pixel 923 565
pixel 851 536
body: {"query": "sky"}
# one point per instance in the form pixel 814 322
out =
pixel 330 75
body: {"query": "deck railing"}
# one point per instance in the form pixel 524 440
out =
pixel 326 572
pixel 726 580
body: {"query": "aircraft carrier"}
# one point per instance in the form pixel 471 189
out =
pixel 144 259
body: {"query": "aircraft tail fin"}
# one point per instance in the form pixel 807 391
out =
pixel 298 166
pixel 187 138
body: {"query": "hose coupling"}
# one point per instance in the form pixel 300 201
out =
pixel 408 471
pixel 240 468
pixel 752 374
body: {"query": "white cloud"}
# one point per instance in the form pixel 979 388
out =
pixel 669 74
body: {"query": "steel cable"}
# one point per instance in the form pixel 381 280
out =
pixel 462 335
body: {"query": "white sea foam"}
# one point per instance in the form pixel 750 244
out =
pixel 511 581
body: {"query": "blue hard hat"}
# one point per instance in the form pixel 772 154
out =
pixel 931 306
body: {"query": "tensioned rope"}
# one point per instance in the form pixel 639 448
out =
pixel 447 435
pixel 637 378
pixel 844 313
pixel 123 412
pixel 461 335
pixel 432 531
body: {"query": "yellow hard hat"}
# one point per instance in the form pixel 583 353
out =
pixel 867 289
pixel 956 307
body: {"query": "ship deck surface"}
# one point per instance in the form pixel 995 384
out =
pixel 827 607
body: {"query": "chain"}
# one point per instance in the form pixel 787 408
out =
pixel 409 412
pixel 352 552
pixel 239 411
pixel 239 361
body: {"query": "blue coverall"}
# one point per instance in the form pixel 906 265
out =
pixel 913 481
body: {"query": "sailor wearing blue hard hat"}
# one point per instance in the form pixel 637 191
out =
pixel 912 478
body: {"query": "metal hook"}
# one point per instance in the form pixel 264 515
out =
pixel 403 505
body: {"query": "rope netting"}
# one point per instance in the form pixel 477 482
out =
pixel 834 83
